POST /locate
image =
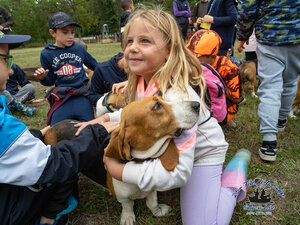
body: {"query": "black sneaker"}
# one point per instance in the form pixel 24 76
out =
pixel 268 150
pixel 281 125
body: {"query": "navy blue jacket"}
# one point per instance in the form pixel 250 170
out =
pixel 66 65
pixel 124 18
pixel 16 79
pixel 225 16
pixel 105 75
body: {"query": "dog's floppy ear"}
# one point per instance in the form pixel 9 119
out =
pixel 170 157
pixel 118 146
pixel 50 137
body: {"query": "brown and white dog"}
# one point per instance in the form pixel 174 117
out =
pixel 248 73
pixel 111 102
pixel 63 130
pixel 146 131
pixel 296 104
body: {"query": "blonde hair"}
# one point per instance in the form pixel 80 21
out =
pixel 181 68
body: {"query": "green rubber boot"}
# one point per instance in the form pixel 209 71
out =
pixel 25 110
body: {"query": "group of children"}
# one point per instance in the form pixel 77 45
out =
pixel 157 61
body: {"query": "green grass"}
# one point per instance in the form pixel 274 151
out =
pixel 98 207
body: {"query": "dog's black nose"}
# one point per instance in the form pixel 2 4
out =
pixel 196 106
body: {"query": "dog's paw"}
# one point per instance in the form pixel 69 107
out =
pixel 291 115
pixel 254 95
pixel 127 218
pixel 161 210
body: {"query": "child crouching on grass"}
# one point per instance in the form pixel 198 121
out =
pixel 205 45
pixel 62 65
pixel 159 63
pixel 37 182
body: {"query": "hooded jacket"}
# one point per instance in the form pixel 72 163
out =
pixel 105 75
pixel 66 65
pixel 276 23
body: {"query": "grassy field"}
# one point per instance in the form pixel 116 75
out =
pixel 97 207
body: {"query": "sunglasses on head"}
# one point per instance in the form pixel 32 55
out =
pixel 9 60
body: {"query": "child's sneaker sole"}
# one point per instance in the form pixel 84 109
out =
pixel 280 129
pixel 267 155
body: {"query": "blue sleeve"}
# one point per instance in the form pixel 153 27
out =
pixel 20 75
pixel 90 61
pixel 49 80
pixel 230 14
pixel 98 87
pixel 247 14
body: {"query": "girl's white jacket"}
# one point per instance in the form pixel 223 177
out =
pixel 209 148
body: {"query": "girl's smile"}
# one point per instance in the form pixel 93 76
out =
pixel 145 50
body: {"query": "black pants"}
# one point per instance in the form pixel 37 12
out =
pixel 22 206
pixel 184 28
pixel 250 56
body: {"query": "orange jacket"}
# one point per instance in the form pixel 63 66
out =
pixel 231 76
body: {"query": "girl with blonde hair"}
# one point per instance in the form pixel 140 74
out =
pixel 160 64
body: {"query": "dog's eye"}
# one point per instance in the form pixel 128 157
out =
pixel 157 106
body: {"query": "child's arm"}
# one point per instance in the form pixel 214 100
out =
pixel 90 61
pixel 98 88
pixel 45 74
pixel 150 174
pixel 180 13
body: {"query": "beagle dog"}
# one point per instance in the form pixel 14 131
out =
pixel 296 103
pixel 146 131
pixel 111 102
pixel 248 73
pixel 63 130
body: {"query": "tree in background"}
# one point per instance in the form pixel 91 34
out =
pixel 31 16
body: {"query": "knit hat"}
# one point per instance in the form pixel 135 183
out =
pixel 204 42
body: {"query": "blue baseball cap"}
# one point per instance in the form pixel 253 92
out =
pixel 60 20
pixel 13 41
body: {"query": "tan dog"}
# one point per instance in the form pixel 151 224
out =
pixel 248 73
pixel 63 130
pixel 146 131
pixel 111 102
pixel 296 104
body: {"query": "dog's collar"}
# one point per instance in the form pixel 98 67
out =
pixel 105 103
pixel 154 152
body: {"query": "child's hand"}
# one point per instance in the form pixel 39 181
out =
pixel 40 73
pixel 199 20
pixel 117 86
pixel 241 45
pixel 110 126
pixel 100 120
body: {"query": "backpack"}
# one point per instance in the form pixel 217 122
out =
pixel 215 94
